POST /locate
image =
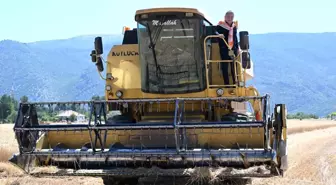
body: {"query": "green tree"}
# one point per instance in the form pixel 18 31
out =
pixel 332 115
pixel 12 118
pixel 24 99
pixel 74 107
pixel 95 98
pixel 72 117
pixel 6 107
pixel 60 107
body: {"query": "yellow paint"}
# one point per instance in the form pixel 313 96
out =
pixel 126 73
pixel 284 118
pixel 214 138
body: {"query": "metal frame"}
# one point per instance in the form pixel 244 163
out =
pixel 27 125
pixel 233 62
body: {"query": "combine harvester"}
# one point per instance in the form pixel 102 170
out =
pixel 176 116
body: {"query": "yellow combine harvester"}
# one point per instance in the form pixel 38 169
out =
pixel 175 114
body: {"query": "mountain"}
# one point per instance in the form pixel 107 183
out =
pixel 298 69
pixel 52 70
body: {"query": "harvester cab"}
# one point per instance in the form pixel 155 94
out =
pixel 166 106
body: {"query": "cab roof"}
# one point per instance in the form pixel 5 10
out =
pixel 171 9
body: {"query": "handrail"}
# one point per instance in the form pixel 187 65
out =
pixel 242 74
pixel 234 61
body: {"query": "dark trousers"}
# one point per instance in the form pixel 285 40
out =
pixel 225 66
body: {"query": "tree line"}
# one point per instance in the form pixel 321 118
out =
pixel 332 115
pixel 9 107
pixel 301 115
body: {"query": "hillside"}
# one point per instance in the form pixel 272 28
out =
pixel 51 70
pixel 297 69
pixel 294 68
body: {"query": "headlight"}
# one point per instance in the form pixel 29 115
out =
pixel 220 92
pixel 108 87
pixel 119 94
pixel 109 76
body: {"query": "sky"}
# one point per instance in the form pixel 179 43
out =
pixel 35 20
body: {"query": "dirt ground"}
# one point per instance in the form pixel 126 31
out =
pixel 312 158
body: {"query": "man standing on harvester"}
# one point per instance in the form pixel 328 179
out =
pixel 229 31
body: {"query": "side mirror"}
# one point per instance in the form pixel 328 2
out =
pixel 244 40
pixel 99 65
pixel 246 60
pixel 98 45
pixel 93 56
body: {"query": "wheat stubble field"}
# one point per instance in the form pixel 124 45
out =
pixel 312 158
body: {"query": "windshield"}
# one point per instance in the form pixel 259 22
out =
pixel 171 55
